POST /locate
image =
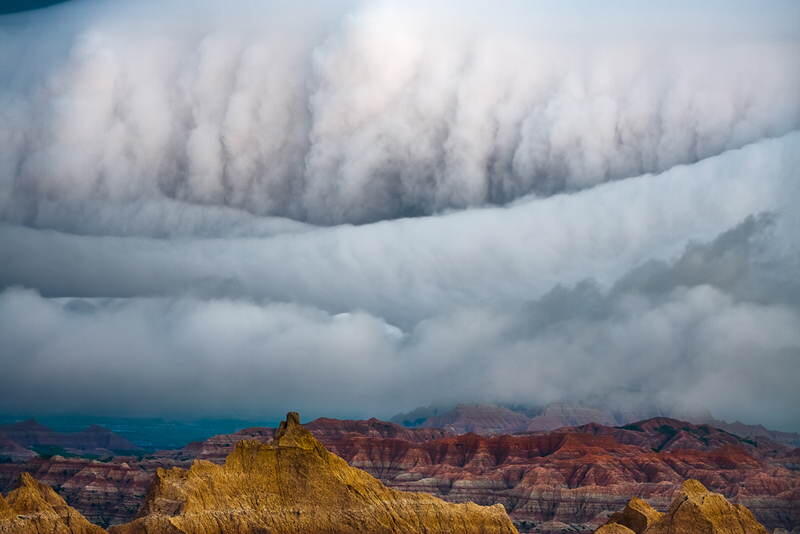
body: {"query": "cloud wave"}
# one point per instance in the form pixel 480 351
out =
pixel 335 112
pixel 542 190
pixel 682 334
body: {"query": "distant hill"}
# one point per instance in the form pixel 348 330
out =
pixel 30 434
pixel 489 419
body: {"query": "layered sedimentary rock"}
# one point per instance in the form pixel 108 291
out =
pixel 105 492
pixel 490 419
pixel 35 508
pixel 487 419
pixel 694 510
pixel 569 478
pixel 295 485
pixel 329 431
pixel 665 434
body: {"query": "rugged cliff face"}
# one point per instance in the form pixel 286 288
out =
pixel 565 479
pixel 35 508
pixel 694 510
pixel 295 485
pixel 573 476
pixel 105 492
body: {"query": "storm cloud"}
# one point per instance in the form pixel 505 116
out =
pixel 716 328
pixel 356 208
pixel 335 112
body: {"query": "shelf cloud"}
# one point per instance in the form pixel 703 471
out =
pixel 352 112
pixel 354 208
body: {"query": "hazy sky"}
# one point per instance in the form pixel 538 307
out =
pixel 355 208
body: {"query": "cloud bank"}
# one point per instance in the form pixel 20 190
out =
pixel 554 202
pixel 713 329
pixel 335 112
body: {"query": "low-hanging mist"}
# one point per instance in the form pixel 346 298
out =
pixel 554 201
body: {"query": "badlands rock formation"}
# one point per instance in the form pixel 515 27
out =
pixel 564 479
pixel 331 432
pixel 487 419
pixel 570 477
pixel 34 508
pixel 637 516
pixel 105 492
pixel 295 485
pixel 694 510
pixel 756 432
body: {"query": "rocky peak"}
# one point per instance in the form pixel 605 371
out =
pixel 697 510
pixel 36 507
pixel 694 510
pixel 293 484
pixel 290 433
pixel 32 496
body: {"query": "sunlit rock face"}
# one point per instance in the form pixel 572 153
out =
pixel 572 476
pixel 293 484
pixel 35 508
pixel 694 510
pixel 539 478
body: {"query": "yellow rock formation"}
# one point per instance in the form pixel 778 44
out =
pixel 35 508
pixel 636 516
pixel 695 510
pixel 294 485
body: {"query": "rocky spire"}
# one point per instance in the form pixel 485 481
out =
pixel 293 484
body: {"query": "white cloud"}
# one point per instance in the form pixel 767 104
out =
pixel 681 346
pixel 146 265
pixel 376 318
pixel 357 111
pixel 408 269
